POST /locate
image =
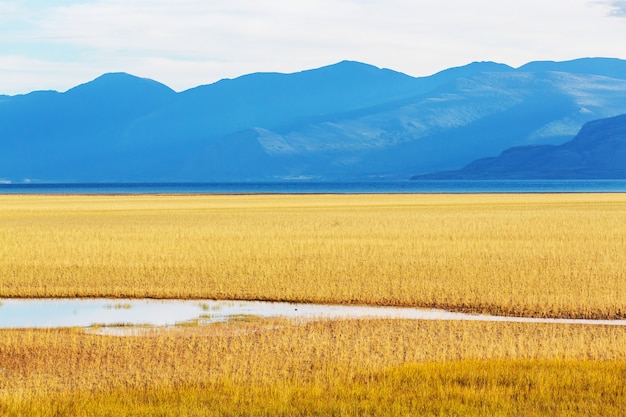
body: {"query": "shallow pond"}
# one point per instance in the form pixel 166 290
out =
pixel 56 313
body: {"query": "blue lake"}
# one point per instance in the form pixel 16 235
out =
pixel 312 187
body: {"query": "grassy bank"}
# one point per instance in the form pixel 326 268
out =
pixel 359 367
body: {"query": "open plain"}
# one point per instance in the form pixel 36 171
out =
pixel 532 255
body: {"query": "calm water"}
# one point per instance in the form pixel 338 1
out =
pixel 310 187
pixel 51 313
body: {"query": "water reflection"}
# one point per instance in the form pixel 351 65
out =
pixel 54 313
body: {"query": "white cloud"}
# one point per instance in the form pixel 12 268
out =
pixel 23 74
pixel 191 42
pixel 618 7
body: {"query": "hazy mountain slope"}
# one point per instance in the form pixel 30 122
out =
pixel 598 151
pixel 69 135
pixel 120 127
pixel 348 120
pixel 281 102
pixel 467 119
pixel 269 100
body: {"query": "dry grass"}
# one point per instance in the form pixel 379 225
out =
pixel 531 255
pixel 360 367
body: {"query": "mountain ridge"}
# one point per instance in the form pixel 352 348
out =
pixel 607 67
pixel 598 151
pixel 348 120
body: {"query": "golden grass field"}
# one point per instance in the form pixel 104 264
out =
pixel 532 255
pixel 342 368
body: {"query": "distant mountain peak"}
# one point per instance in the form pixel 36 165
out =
pixel 607 67
pixel 351 65
pixel 349 62
pixel 119 81
pixel 490 65
pixel 349 68
pixel 471 70
pixel 118 76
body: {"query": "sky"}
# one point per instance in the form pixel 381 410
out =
pixel 57 44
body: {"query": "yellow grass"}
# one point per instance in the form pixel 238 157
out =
pixel 532 255
pixel 343 368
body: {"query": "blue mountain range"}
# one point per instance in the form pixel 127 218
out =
pixel 344 121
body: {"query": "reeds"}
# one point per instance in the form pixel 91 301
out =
pixel 357 367
pixel 530 255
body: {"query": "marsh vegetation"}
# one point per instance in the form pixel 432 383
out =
pixel 354 367
pixel 528 255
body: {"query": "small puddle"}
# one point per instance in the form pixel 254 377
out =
pixel 59 313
